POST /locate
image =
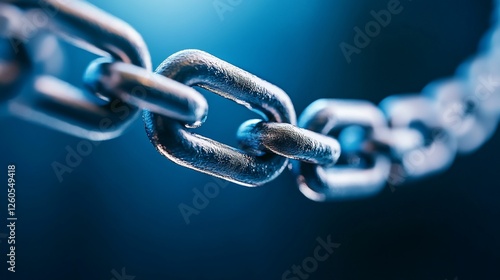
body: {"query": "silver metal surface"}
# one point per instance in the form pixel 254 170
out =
pixel 460 112
pixel 60 105
pixel 418 113
pixel 147 90
pixel 197 68
pixel 419 135
pixel 323 183
pixel 287 140
pixel 483 79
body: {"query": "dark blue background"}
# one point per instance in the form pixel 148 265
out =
pixel 119 208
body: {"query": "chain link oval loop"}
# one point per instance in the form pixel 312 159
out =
pixel 460 112
pixel 359 119
pixel 60 105
pixel 437 150
pixel 197 68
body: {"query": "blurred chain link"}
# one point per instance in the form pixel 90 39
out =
pixel 340 149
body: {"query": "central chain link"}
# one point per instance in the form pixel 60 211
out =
pixel 406 137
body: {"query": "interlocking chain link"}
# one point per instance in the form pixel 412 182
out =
pixel 340 149
pixel 197 68
pixel 354 123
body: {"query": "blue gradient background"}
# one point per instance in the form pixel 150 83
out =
pixel 119 208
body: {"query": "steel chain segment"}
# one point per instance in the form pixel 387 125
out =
pixel 406 137
pixel 60 105
pixel 287 140
pixel 461 112
pixel 147 90
pixel 436 152
pixel 354 123
pixel 171 139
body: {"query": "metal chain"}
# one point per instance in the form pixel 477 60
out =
pixel 406 137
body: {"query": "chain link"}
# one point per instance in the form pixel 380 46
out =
pixel 58 104
pixel 406 137
pixel 365 170
pixel 197 68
